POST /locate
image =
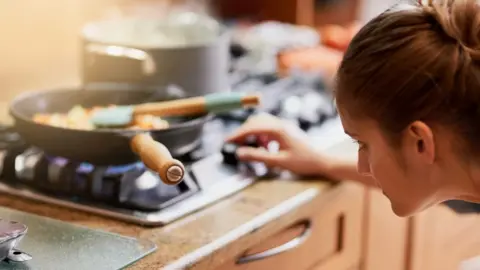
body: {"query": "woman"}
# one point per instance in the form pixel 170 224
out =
pixel 408 91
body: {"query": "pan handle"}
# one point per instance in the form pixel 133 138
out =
pixel 148 67
pixel 157 158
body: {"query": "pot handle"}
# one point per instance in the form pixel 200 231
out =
pixel 148 67
pixel 157 158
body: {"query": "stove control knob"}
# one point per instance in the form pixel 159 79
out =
pixel 251 141
pixel 229 154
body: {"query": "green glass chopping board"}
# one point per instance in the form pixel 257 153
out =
pixel 59 245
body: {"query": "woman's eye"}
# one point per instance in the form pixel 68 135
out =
pixel 360 144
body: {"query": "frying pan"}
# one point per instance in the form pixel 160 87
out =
pixel 107 146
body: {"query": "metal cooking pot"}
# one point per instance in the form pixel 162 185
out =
pixel 189 50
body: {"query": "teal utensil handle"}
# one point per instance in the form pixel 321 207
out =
pixel 221 102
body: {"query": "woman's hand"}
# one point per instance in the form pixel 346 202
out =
pixel 294 153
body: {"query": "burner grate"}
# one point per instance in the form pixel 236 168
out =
pixel 130 186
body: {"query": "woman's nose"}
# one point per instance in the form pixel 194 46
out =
pixel 363 165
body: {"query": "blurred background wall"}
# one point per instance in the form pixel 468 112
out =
pixel 39 40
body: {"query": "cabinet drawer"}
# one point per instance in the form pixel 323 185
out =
pixel 331 231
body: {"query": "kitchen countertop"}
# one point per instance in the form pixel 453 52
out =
pixel 205 239
pixel 208 236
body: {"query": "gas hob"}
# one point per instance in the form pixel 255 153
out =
pixel 129 192
pixel 135 194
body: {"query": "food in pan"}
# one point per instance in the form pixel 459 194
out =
pixel 79 118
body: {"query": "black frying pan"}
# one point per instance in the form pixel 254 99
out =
pixel 107 146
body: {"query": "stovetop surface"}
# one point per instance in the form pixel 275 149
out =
pixel 134 193
pixel 130 192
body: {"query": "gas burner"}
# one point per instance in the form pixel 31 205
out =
pixel 133 193
pixel 130 192
pixel 130 186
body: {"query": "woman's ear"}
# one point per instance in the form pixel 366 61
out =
pixel 420 141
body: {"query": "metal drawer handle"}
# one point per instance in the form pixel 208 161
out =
pixel 295 242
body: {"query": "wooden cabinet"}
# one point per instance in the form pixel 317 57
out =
pixel 328 237
pixel 442 239
pixel 386 235
pixel 437 239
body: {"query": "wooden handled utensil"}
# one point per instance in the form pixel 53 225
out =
pixel 158 159
pixel 214 103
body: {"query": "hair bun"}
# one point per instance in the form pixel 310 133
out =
pixel 459 19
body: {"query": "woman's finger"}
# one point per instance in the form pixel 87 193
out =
pixel 261 155
pixel 271 132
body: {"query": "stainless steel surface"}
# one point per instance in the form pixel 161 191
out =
pixel 148 64
pixel 18 256
pixel 215 182
pixel 54 245
pixel 218 182
pixel 158 52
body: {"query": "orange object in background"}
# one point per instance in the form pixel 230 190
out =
pixel 335 36
pixel 325 58
pixel 320 59
pixel 338 37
